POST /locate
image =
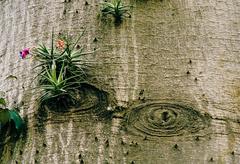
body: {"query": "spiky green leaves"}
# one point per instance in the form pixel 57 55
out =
pixel 56 86
pixel 117 9
pixel 62 71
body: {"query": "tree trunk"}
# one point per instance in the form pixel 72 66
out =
pixel 170 73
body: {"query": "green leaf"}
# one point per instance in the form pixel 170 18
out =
pixel 2 102
pixel 115 8
pixel 52 48
pixel 16 119
pixel 60 76
pixel 4 116
pixel 53 71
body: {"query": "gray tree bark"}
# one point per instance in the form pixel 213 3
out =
pixel 170 73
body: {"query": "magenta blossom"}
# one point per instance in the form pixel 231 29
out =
pixel 23 54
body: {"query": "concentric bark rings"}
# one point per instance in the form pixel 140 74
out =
pixel 157 119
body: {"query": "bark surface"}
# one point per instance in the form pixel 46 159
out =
pixel 171 72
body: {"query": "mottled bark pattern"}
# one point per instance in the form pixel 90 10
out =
pixel 172 71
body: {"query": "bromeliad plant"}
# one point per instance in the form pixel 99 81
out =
pixel 117 9
pixel 62 72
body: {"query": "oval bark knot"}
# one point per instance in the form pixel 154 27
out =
pixel 157 119
pixel 91 100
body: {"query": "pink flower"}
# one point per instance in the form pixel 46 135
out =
pixel 60 44
pixel 23 54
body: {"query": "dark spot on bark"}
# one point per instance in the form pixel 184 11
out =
pixel 44 145
pixel 141 92
pixel 96 139
pixel 188 72
pixel 133 162
pixel 16 162
pixel 133 144
pixel 76 11
pixel 81 161
pixel 126 153
pixel 190 61
pixel 86 3
pixel 37 151
pixel 122 142
pixel 78 46
pixel 107 143
pixel 95 40
pixel 80 156
pixel 165 116
pixel 142 99
pixel 232 153
pixel 11 152
pixel 20 152
pixel 22 103
pixel 207 115
pixel 176 146
pixel 195 79
pixel 145 138
pixel 211 159
pixel 64 11
pixel 197 138
pixel 238 121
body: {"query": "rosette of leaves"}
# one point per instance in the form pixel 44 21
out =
pixel 57 88
pixel 10 121
pixel 117 9
pixel 62 70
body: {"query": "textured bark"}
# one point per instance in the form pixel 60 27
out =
pixel 171 71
